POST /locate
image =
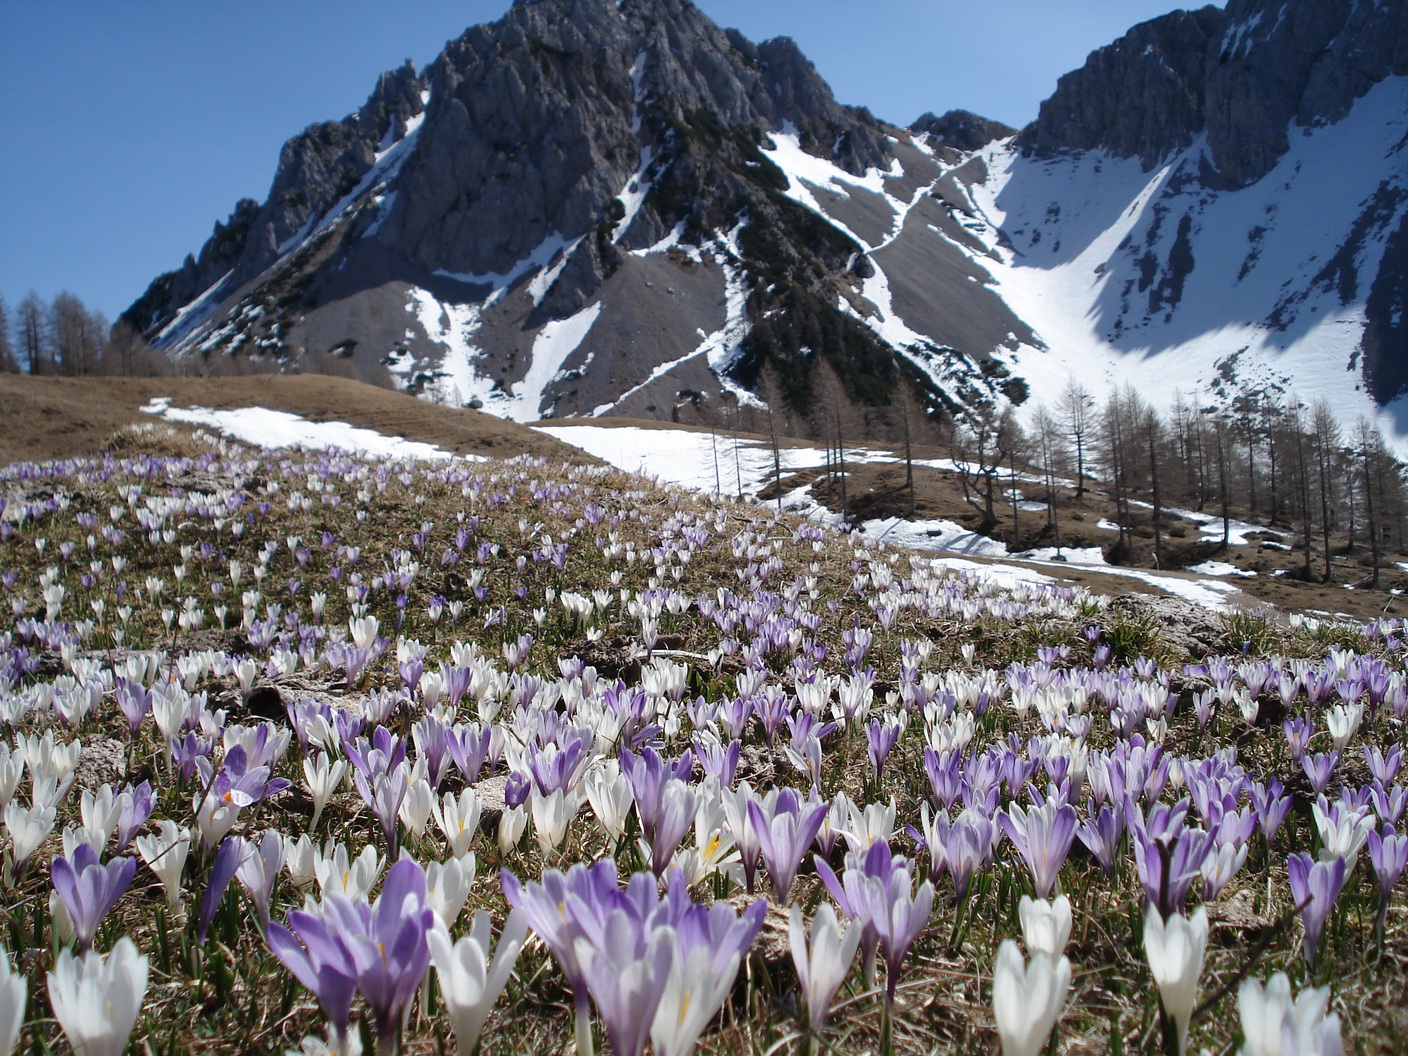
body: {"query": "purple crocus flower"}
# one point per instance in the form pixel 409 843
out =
pixel 677 809
pixel 876 890
pixel 646 774
pixel 89 889
pixel 560 908
pixel 187 752
pixel 382 753
pixel 1383 766
pixel 517 788
pixel 1388 853
pixel 959 847
pixel 626 976
pixel 945 775
pixel 719 761
pixel 1314 886
pixel 1042 835
pixel 383 794
pixel 1271 805
pixel 881 738
pixel 1389 804
pixel 561 765
pixel 259 869
pixel 469 748
pixel 1169 855
pixel 320 964
pixel 785 829
pixel 1101 835
pixel 137 806
pixel 1319 768
pixel 227 860
pixel 135 700
pixel 343 946
pixel 432 739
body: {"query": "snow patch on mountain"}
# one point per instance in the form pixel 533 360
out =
pixel 1157 280
pixel 547 258
pixel 555 342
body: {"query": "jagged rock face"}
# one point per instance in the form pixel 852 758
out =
pixel 961 130
pixel 1304 62
pixel 1142 96
pixel 1216 105
pixel 316 168
pixel 1242 75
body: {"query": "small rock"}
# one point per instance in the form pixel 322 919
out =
pixel 103 761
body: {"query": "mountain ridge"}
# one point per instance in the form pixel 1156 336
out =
pixel 591 208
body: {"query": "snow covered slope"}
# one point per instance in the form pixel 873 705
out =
pixel 1161 281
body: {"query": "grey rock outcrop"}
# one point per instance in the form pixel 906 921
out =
pixel 1303 62
pixel 1142 96
pixel 316 168
pixel 961 130
pixel 1243 75
pixel 536 131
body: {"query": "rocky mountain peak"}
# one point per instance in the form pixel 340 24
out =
pixel 961 130
pixel 1243 75
pixel 1142 96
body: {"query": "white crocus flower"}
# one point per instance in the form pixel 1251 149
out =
pixel 609 794
pixel 1344 838
pixel 28 828
pixel 458 818
pixel 60 919
pixel 1343 722
pixel 101 811
pixel 1046 926
pixel 694 992
pixel 96 999
pixel 512 822
pixel 48 787
pixel 245 671
pixel 215 817
pixel 447 886
pixel 1175 949
pixel 352 878
pixel 869 826
pixel 13 991
pixel 1275 1025
pixel 351 1045
pixel 1027 998
pixel 417 804
pixel 363 631
pixel 823 963
pixel 551 816
pixel 11 773
pixel 165 855
pixel 469 982
pixel 324 777
pixel 74 835
pixel 301 860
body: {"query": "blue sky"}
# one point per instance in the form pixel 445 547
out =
pixel 128 127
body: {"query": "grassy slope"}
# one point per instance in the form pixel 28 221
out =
pixel 47 418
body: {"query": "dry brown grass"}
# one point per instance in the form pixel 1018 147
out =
pixel 57 418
